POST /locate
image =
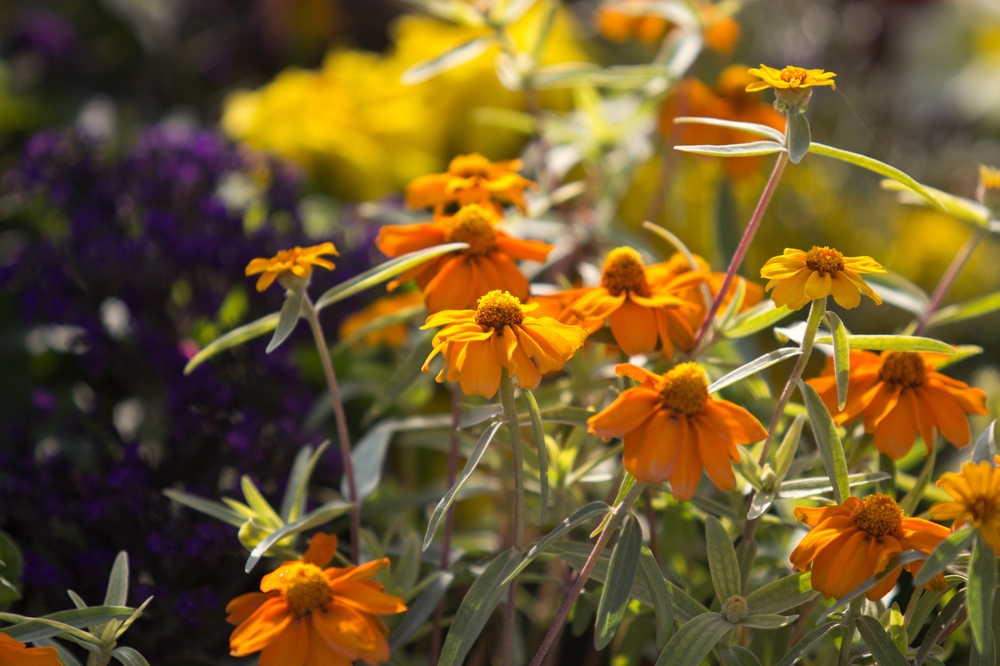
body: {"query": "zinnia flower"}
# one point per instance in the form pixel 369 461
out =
pixel 673 428
pixel 394 335
pixel 305 615
pixel 499 333
pixel 666 274
pixel 470 179
pixel 456 280
pixel 799 277
pixel 640 311
pixel 976 493
pixel 899 394
pixel 297 262
pixel 790 77
pixel 13 651
pixel 853 541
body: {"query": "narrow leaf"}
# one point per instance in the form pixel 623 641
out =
pixel 421 609
pixel 909 343
pixel 117 593
pixel 943 555
pixel 692 643
pixel 722 562
pixel 799 650
pixel 960 207
pixel 841 356
pixel 977 307
pixel 368 456
pixel 980 590
pixel 789 445
pixel 767 621
pixel 233 338
pixel 543 453
pixel 66 658
pixel 262 508
pixel 781 595
pixel 450 59
pixel 29 629
pixel 762 501
pixel 738 656
pixel 216 510
pixel 761 316
pixel 828 441
pixel 287 318
pixel 663 609
pixel 817 485
pixel 753 367
pixel 129 657
pixel 878 167
pixel 799 137
pixel 753 128
pixel 943 620
pixel 294 501
pixel 986 445
pixel 615 594
pixel 734 149
pixel 315 518
pixel 962 352
pixel 883 649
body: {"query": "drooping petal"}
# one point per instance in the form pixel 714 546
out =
pixel 687 473
pixel 365 597
pixel 897 430
pixel 257 631
pixel 650 453
pixel 629 410
pixel 741 426
pixel 713 448
pixel 949 417
pixel 634 328
pixel 290 647
pixel 243 606
pixel 480 371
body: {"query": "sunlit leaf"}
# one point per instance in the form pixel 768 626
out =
pixel 799 137
pixel 761 316
pixel 129 657
pixel 977 307
pixel 28 629
pixel 810 487
pixel 910 343
pixel 963 209
pixel 753 367
pixel 216 510
pixel 722 562
pixel 734 149
pixel 943 555
pixel 542 451
pixel 318 516
pixel 450 59
pixel 883 649
pixel 940 624
pixel 752 128
pixel 287 318
pixel 617 587
pixel 986 445
pixel 828 442
pixel 692 643
pixel 767 621
pixel 980 590
pixel 841 356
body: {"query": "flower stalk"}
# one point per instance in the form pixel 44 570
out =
pixel 944 285
pixel 514 431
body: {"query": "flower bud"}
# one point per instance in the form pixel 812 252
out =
pixel 988 191
pixel 735 608
pixel 792 100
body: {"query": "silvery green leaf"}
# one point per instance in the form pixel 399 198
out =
pixel 841 356
pixel 799 137
pixel 986 445
pixel 421 609
pixel 692 643
pixel 117 592
pixel 27 630
pixel 618 585
pixel 233 338
pixel 722 562
pixel 294 501
pixel 216 510
pixel 979 592
pixel 789 445
pixel 450 59
pixel 748 467
pixel 406 373
pixel 817 485
pixel 767 621
pixel 735 304
pixel 762 501
pixel 882 648
pixel 734 149
pixel 318 516
pixel 738 656
pixel 753 367
pixel 10 569
pixel 76 599
pixel 752 128
pixel 628 481
pixel 368 456
pixel 943 555
pixel 542 452
pixel 287 318
pixel 781 595
pixel 798 650
pixel 761 316
pixel 898 291
pixel 963 209
pixel 136 614
pixel 567 415
pixel 943 620
pixel 910 343
pixel 129 657
pixel 659 594
pixel 827 441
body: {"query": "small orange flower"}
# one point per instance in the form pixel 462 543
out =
pixel 667 274
pixel 673 428
pixel 853 541
pixel 296 262
pixel 470 179
pixel 799 277
pixel 790 77
pixel 13 651
pixel 305 615
pixel 899 394
pixel 456 280
pixel 976 493
pixel 616 26
pixel 394 335
pixel 499 333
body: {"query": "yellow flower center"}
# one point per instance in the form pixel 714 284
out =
pixel 824 260
pixel 989 177
pixel 878 515
pixel 469 166
pixel 902 368
pixel 306 588
pixel 624 271
pixel 685 389
pixel 791 74
pixel 982 508
pixel 498 309
pixel 473 224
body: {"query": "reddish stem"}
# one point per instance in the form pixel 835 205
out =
pixel 941 290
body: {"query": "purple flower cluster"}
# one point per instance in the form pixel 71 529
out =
pixel 124 265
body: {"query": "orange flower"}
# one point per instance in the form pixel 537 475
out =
pixel 297 262
pixel 309 616
pixel 394 335
pixel 976 493
pixel 899 394
pixel 673 428
pixel 640 312
pixel 853 541
pixel 667 274
pixel 476 344
pixel 13 651
pixel 801 277
pixel 470 179
pixel 720 33
pixel 456 280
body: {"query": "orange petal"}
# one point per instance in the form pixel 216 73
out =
pixel 634 328
pixel 290 647
pixel 598 303
pixel 650 453
pixel 897 430
pixel 949 416
pixel 244 605
pixel 687 474
pixel 361 572
pixel 453 288
pixel 742 426
pixel 361 596
pixel 629 410
pixel 518 248
pixel 713 447
pixel 479 369
pixel 257 631
pixel 322 548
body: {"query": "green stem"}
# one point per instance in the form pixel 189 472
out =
pixel 847 638
pixel 514 430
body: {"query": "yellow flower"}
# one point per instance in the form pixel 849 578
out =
pixel 790 77
pixel 799 277
pixel 976 493
pixel 989 177
pixel 297 261
pixel 394 335
pixel 470 179
pixel 499 333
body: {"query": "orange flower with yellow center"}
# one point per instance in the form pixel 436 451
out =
pixel 720 32
pixel 668 274
pixel 294 263
pixel 455 281
pixel 901 394
pixel 13 651
pixel 976 494
pixel 470 179
pixel 394 335
pixel 673 428
pixel 799 277
pixel 790 77
pixel 305 615
pixel 853 541
pixel 640 311
pixel 499 334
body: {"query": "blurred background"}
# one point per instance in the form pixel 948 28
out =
pixel 150 149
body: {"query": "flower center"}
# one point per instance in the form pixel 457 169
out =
pixel 473 224
pixel 624 271
pixel 306 588
pixel 498 309
pixel 469 166
pixel 982 508
pixel 878 515
pixel 989 177
pixel 792 74
pixel 824 260
pixel 902 368
pixel 685 389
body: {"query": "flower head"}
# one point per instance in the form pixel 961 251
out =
pixel 792 85
pixel 799 277
pixel 393 335
pixel 13 651
pixel 976 500
pixel 618 23
pixel 853 541
pixel 901 394
pixel 500 334
pixel 988 190
pixel 305 615
pixel 297 262
pixel 456 280
pixel 673 428
pixel 470 179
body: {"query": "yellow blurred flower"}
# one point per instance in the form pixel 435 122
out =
pixel 394 335
pixel 297 261
pixel 470 179
pixel 790 77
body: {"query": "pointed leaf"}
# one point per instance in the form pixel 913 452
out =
pixel 799 650
pixel 962 352
pixel 542 451
pixel 841 356
pixel 980 590
pixel 943 555
pixel 789 445
pixel 781 595
pixel 233 338
pixel 287 318
pixel 959 207
pixel 294 501
pixel 986 445
pixel 941 623
pixel 767 621
pixel 753 128
pixel 129 657
pixel 663 608
pixel 977 307
pixel 881 646
pixel 879 168
pixel 722 562
pixel 450 59
pixel 29 629
pixel 753 367
pixel 216 510
pixel 262 508
pixel 799 137
pixel 615 594
pixel 831 449
pixel 421 609
pixel 761 316
pixel 319 516
pixel 117 593
pixel 692 643
pixel 818 485
pixel 897 628
pixel 368 456
pixel 910 343
pixel 734 149
pixel 762 501
pixel 738 656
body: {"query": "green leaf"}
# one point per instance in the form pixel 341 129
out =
pixel 421 609
pixel 10 569
pixel 748 467
pixel 798 650
pixel 566 415
pixel 789 445
pixel 722 562
pixel 450 59
pixel 76 599
pixel 882 647
pixel 761 502
pixel 878 167
pixel 977 307
pixel 734 149
pixel 29 629
pixel 659 593
pixel 617 587
pixel 767 621
pixel 943 620
pixel 735 304
pixel 318 516
pixel 841 356
pixel 781 595
pixel 542 451
pixel 912 499
pixel 233 338
pixel 626 485
pixel 216 510
pixel 761 316
pixel 476 608
pixel 738 656
pixel 817 485
pixel 827 441
pixel 980 590
pixel 897 628
pixel 752 128
pixel 753 367
pixel 117 592
pixel 287 318
pixel 799 137
pixel 129 657
pixel 136 614
pixel 943 555
pixel 261 507
pixel 962 352
pixel 368 456
pixel 470 466
pixel 692 643
pixel 294 501
pixel 986 445
pixel 898 291
pixel 908 343
pixel 404 375
pixel 960 207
